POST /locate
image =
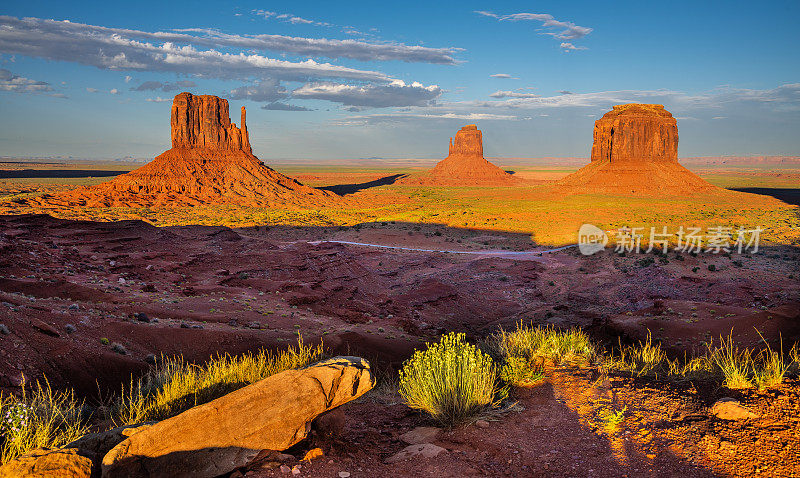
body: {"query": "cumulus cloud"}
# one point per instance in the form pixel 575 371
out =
pixel 167 86
pixel 513 94
pixel 558 29
pixel 265 90
pixel 19 84
pixel 396 93
pixel 279 106
pixel 567 46
pixel 129 49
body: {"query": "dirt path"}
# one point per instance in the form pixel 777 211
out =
pixel 489 253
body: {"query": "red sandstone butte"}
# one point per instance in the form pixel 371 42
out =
pixel 635 151
pixel 211 162
pixel 465 164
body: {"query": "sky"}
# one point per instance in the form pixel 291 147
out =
pixel 340 80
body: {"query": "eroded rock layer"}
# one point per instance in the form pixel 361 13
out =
pixel 211 162
pixel 635 151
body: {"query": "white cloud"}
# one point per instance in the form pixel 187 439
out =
pixel 158 99
pixel 279 106
pixel 288 17
pixel 504 76
pixel 92 90
pixel 512 94
pixel 19 84
pixel 128 79
pixel 557 29
pixel 166 86
pixel 402 117
pixel 114 91
pixel 567 46
pixel 396 93
pixel 265 90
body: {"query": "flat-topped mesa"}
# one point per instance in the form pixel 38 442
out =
pixel 468 142
pixel 636 132
pixel 203 121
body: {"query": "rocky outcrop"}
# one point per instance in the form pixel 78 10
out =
pixel 203 121
pixel 464 165
pixel 636 132
pixel 48 463
pixel 218 437
pixel 635 152
pixel 211 162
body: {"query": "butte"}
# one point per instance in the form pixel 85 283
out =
pixel 464 164
pixel 635 152
pixel 211 162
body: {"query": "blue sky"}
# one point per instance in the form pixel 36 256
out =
pixel 326 80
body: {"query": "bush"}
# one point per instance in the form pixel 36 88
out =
pixel 536 343
pixel 174 386
pixel 451 380
pixel 39 418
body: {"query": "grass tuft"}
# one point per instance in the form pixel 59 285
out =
pixel 174 386
pixel 39 418
pixel 451 380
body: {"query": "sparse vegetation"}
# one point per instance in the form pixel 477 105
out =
pixel 451 380
pixel 534 344
pixel 39 417
pixel 173 385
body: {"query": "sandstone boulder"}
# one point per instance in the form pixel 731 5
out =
pixel 228 433
pixel 731 409
pixel 49 463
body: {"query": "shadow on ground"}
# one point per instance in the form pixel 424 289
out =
pixel 343 189
pixel 787 195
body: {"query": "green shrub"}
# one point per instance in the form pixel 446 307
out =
pixel 174 385
pixel 451 380
pixel 38 418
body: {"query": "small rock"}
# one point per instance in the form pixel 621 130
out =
pixel 43 462
pixel 482 424
pixel 74 307
pixel 729 409
pixel 425 450
pixel 149 267
pixel 184 325
pixel 112 263
pixel 44 328
pixel 70 328
pixel 4 329
pixel 296 470
pixel 121 280
pixel 285 457
pixel 313 453
pixel 420 435
pixel 141 317
pixel 254 325
pixel 344 474
pixel 197 326
pixel 285 469
pixel 119 348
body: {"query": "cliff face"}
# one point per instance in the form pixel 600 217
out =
pixel 636 132
pixel 204 122
pixel 468 142
pixel 635 152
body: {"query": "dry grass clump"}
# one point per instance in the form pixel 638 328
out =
pixel 174 386
pixel 451 380
pixel 535 344
pixel 39 418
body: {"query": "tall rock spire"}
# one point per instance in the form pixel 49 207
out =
pixel 204 122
